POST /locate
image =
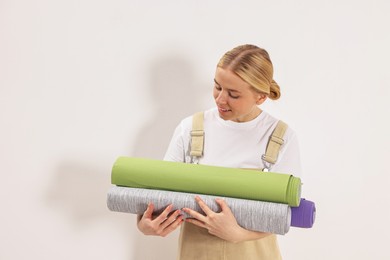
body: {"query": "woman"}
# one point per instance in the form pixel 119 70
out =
pixel 236 135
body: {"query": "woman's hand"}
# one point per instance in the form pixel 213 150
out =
pixel 222 224
pixel 161 225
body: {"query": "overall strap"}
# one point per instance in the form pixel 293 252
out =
pixel 271 154
pixel 197 135
pixel 274 144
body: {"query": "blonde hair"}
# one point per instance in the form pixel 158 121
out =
pixel 253 65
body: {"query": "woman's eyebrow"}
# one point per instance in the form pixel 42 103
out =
pixel 230 90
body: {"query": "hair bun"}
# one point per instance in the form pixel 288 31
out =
pixel 274 92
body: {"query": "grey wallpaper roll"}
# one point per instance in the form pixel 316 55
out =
pixel 250 214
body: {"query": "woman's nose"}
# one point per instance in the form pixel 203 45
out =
pixel 221 97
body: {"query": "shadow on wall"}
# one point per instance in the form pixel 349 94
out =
pixel 79 192
pixel 176 93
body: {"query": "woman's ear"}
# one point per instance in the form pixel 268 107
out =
pixel 260 99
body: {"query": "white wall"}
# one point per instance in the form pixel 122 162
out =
pixel 82 82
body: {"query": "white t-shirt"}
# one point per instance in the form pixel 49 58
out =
pixel 237 145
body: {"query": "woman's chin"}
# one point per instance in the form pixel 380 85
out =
pixel 225 117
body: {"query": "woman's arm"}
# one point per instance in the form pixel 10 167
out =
pixel 161 225
pixel 167 221
pixel 221 224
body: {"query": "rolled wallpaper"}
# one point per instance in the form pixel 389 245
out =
pixel 205 179
pixel 250 214
pixel 304 215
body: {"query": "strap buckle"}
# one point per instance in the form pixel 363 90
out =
pixel 277 140
pixel 266 163
pixel 195 159
pixel 197 133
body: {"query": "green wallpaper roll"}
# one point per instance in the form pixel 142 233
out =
pixel 205 179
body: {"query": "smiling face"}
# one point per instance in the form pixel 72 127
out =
pixel 236 100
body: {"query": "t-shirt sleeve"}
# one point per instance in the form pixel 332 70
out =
pixel 176 150
pixel 289 160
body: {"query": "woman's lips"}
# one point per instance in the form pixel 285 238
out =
pixel 223 110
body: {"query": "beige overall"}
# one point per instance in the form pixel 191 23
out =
pixel 196 243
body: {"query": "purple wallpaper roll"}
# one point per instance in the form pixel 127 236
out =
pixel 304 215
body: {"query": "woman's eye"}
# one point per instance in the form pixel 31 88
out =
pixel 218 88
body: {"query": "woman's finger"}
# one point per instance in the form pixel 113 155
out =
pixel 149 211
pixel 175 224
pixel 196 222
pixel 203 206
pixel 222 204
pixel 195 214
pixel 164 215
pixel 171 219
